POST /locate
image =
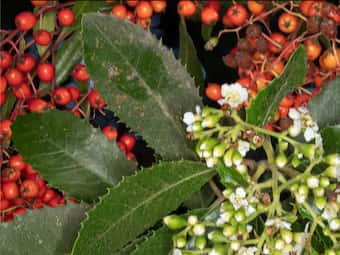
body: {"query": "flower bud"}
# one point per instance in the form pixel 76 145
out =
pixel 197 126
pixel 242 169
pixel 334 224
pixel 227 216
pixel 219 249
pixel 198 150
pixel 229 230
pixel 313 182
pixel 226 194
pixel 303 190
pixel 320 202
pixel 208 144
pixel 235 245
pixel 198 230
pixel 294 130
pixel 211 43
pixel 211 162
pixel 319 192
pixel 237 158
pixel 295 161
pixel 294 187
pixel 200 242
pixel 333 159
pixel 175 222
pixel 330 252
pixel 308 150
pixel 210 121
pixel 192 220
pixel 219 150
pixel 286 235
pixel 196 135
pixel 281 160
pixel 217 236
pixel 211 111
pixel 180 241
pixel 228 157
pixel 283 146
pixel 298 237
pixel 324 182
pixel 330 172
pixel 279 244
pixel 239 216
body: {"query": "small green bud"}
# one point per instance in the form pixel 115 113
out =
pixel 237 158
pixel 242 169
pixel 235 245
pixel 330 252
pixel 308 150
pixel 198 229
pixel 242 229
pixel 219 249
pixel 211 162
pixel 219 150
pixel 228 215
pixel 324 182
pixel 211 111
pixel 279 244
pixel 200 242
pixel 207 154
pixel 298 237
pixel 319 192
pixel 326 231
pixel 313 182
pixel 320 202
pixel 283 146
pixel 286 235
pixel 239 216
pixel 198 150
pixel 197 126
pixel 229 230
pixel 330 172
pixel 333 159
pixel 217 236
pixel 198 135
pixel 211 43
pixel 228 157
pixel 175 222
pixel 208 144
pixel 295 161
pixel 210 121
pixel 192 220
pixel 226 194
pixel 303 190
pixel 294 187
pixel 281 160
pixel 180 241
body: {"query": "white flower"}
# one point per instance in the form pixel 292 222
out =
pixel 318 141
pixel 189 118
pixel 243 147
pixel 334 224
pixel 300 198
pixel 238 198
pixel 233 94
pixel 250 210
pixel 176 252
pixel 247 251
pixel 277 223
pixel 265 250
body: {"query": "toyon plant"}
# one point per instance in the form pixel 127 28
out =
pixel 111 144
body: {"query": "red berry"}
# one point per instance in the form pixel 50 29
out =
pixel 110 132
pixel 131 3
pixel 5 59
pixel 186 8
pixel 37 105
pixel 18 201
pixel 42 37
pixel 74 91
pixel 25 20
pixel 26 63
pixel 10 175
pixel 14 77
pixel 130 155
pixel 213 91
pixel 119 11
pixel 29 189
pixel 62 96
pixel 237 14
pixel 39 2
pixel 49 195
pixel 3 98
pixel 4 204
pixel 80 74
pixel 22 91
pixel 158 6
pixel 20 211
pixel 288 23
pixel 143 10
pixel 95 100
pixel 45 72
pixel 54 202
pixel 3 84
pixel 129 141
pixel 10 190
pixel 209 16
pixel 5 129
pixel 122 146
pixel 17 162
pixel 215 4
pixel 66 17
pixel 280 39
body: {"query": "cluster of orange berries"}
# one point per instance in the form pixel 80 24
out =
pixel 262 49
pixel 137 11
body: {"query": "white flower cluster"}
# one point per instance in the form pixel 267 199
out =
pixel 303 122
pixel 233 95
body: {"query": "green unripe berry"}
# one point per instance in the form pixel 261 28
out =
pixel 324 181
pixel 308 150
pixel 281 160
pixel 330 172
pixel 180 241
pixel 175 222
pixel 332 159
pixel 200 242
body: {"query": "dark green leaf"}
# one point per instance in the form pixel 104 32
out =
pixel 68 56
pixel 188 54
pixel 142 82
pixel 200 199
pixel 6 108
pixel 266 103
pixel 230 175
pixel 48 231
pixel 320 242
pixel 206 32
pixel 331 139
pixel 137 203
pixel 325 107
pixel 70 154
pixel 325 41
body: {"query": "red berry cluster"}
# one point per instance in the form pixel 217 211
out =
pixel 139 12
pixel 262 49
pixel 22 188
pixel 32 82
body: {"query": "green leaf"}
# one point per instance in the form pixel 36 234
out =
pixel 47 23
pixel 6 108
pixel 188 54
pixel 137 203
pixel 320 242
pixel 142 81
pixel 70 154
pixel 48 231
pixel 325 107
pixel 81 7
pixel 331 139
pixel 326 43
pixel 266 103
pixel 206 32
pixel 68 56
pixel 230 175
